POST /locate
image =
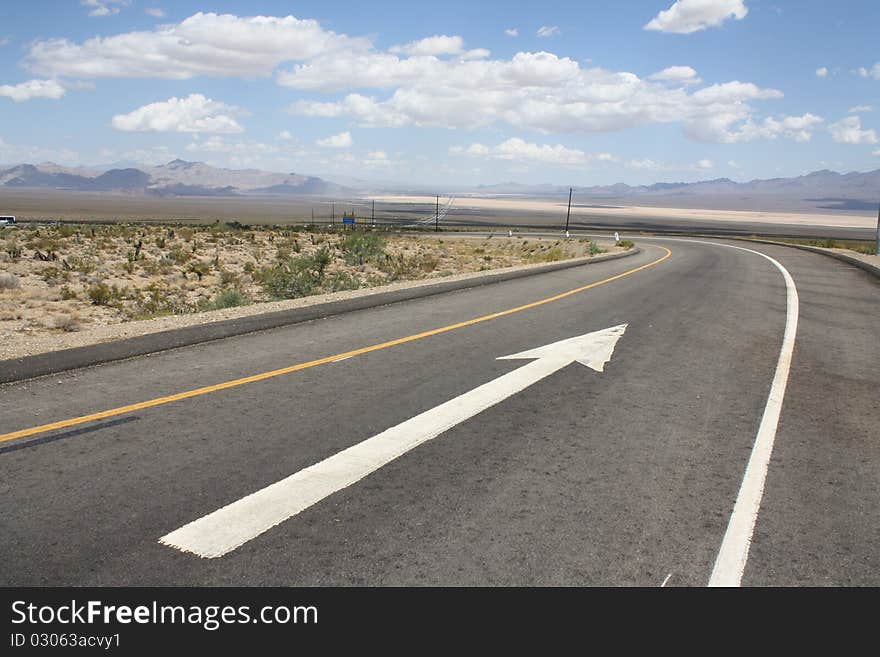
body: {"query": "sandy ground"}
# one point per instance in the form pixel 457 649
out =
pixel 50 308
pixel 632 211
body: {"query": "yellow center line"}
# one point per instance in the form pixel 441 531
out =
pixel 158 401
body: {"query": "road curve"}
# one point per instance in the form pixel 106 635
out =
pixel 624 477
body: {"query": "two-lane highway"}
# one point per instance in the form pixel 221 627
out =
pixel 624 476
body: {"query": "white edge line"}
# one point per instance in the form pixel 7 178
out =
pixel 730 564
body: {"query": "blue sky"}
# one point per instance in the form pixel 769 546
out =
pixel 447 93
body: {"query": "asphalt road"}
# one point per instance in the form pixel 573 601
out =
pixel 624 477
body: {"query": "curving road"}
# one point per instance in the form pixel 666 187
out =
pixel 627 476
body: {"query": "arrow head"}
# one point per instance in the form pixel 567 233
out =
pixel 591 349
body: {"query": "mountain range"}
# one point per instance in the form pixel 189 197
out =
pixel 823 185
pixel 176 178
pixel 850 191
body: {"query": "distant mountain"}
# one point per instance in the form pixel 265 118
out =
pixel 176 178
pixel 826 184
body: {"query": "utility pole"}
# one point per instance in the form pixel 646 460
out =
pixel 332 213
pixel 437 215
pixel 373 213
pixel 568 214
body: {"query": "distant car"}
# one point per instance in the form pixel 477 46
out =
pixel 7 221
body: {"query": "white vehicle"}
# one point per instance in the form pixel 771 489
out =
pixel 7 221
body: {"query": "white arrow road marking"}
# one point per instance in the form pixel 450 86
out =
pixel 237 523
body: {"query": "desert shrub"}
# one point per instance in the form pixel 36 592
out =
pixel 228 298
pixel 360 248
pixel 100 294
pixel 52 275
pixel 13 250
pixel 178 255
pixel 199 268
pixel 298 276
pixel 626 244
pixel 341 280
pixel 66 323
pixel 82 264
pixel 157 300
pixel 595 249
pixel 67 293
pixel 228 278
pixel 8 281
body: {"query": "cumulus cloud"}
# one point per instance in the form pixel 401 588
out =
pixel 873 72
pixel 342 140
pixel 155 12
pixel 860 108
pixel 704 165
pixel 203 44
pixel 516 149
pixel 849 131
pixel 822 72
pixel 195 113
pixel 512 31
pixel 32 89
pixel 439 44
pixel 285 135
pixel 532 90
pixel 677 74
pixel 547 31
pixel 687 16
pixel 104 7
pixel 732 128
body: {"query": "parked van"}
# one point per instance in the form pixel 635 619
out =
pixel 7 221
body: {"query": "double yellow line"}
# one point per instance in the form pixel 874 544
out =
pixel 159 401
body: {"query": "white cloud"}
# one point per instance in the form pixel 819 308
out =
pixel 155 12
pixel 532 90
pixel 217 144
pixel 849 131
pixel 517 149
pixel 203 44
pixel 546 31
pixel 285 135
pixel 735 126
pixel 104 7
pixel 606 157
pixel 733 164
pixel 860 108
pixel 21 154
pixel 439 44
pixel 679 74
pixel 32 89
pixel 687 16
pixel 705 165
pixel 873 72
pixel 512 32
pixel 342 140
pixel 376 159
pixel 643 164
pixel 4 41
pixel 822 72
pixel 195 113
